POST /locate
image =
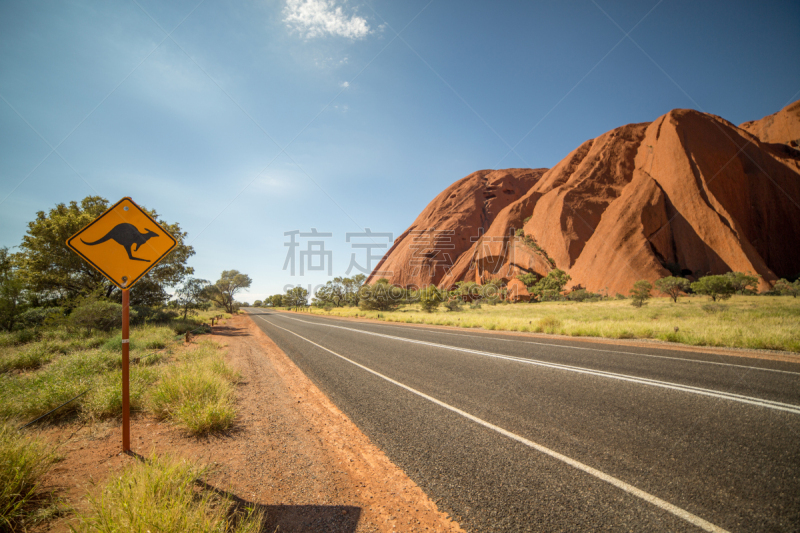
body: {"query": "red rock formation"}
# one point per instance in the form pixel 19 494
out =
pixel 782 127
pixel 443 231
pixel 688 191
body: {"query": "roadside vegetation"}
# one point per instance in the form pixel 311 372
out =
pixel 163 494
pixel 23 462
pixel 718 310
pixel 61 360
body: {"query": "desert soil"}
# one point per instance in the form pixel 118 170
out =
pixel 292 452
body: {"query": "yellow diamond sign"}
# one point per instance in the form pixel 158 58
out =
pixel 123 243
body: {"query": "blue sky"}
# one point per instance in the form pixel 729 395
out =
pixel 245 120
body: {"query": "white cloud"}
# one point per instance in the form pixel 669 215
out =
pixel 344 85
pixel 317 18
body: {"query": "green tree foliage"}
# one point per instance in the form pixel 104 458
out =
pixel 192 295
pixel 550 286
pixel 12 301
pixel 430 298
pixel 258 303
pixel 381 296
pixel 673 286
pixel 715 287
pixel 223 292
pixel 743 283
pixel 276 300
pixel 296 297
pixel 352 287
pixel 528 278
pixel 783 287
pixel 640 292
pixel 94 312
pixel 53 271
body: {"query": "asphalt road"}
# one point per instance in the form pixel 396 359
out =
pixel 518 433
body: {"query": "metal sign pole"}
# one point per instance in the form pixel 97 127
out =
pixel 126 407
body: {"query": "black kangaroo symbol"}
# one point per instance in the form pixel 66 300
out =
pixel 127 235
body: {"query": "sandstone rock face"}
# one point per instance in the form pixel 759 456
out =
pixel 689 192
pixel 443 231
pixel 782 127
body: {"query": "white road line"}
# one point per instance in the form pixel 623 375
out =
pixel 770 404
pixel 567 347
pixel 630 489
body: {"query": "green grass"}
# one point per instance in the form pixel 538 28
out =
pixel 197 393
pixel 194 388
pixel 162 495
pixel 755 322
pixel 23 461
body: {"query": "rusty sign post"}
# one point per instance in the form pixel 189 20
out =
pixel 113 238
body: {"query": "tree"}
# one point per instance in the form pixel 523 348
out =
pixel 192 295
pixel 716 287
pixel 296 297
pixel 12 302
pixel 782 286
pixel 640 292
pixel 333 293
pixel 672 286
pixel 48 267
pixel 430 298
pixel 742 283
pixel 352 287
pixel 224 290
pixel 528 278
pixel 381 296
pixel 550 286
pixel 258 303
pixel 276 300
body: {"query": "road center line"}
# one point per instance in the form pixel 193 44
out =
pixel 630 489
pixel 770 404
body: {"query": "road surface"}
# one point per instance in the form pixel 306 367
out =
pixel 523 433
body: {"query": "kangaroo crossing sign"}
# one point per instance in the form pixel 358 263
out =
pixel 123 243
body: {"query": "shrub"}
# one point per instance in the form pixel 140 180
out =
pixel 454 304
pixel 549 287
pixel 640 292
pixel 23 461
pixel 381 296
pixel 715 287
pixel 39 316
pixel 782 287
pixel 430 298
pixel 582 295
pixel 96 314
pixel 742 283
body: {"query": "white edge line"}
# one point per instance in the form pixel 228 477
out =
pixel 759 402
pixel 630 489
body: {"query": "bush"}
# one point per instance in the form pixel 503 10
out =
pixel 96 314
pixel 454 304
pixel 381 296
pixel 23 462
pixel 430 299
pixel 549 287
pixel 582 295
pixel 39 316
